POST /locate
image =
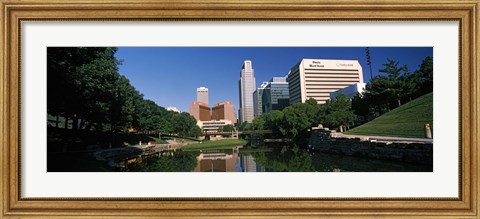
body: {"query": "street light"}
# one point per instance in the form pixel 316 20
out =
pixel 369 62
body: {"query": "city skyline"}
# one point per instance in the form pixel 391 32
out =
pixel 170 76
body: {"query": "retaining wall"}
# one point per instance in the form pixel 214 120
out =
pixel 322 140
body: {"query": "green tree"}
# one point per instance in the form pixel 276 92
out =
pixel 425 73
pixel 228 128
pixel 195 131
pixel 165 125
pixel 299 117
pixel 245 126
pixel 122 105
pixel 361 106
pixel 339 112
pixel 80 83
pixel 84 86
pixel 258 123
pixel 184 124
pixel 395 83
pixel 274 121
pixel 290 122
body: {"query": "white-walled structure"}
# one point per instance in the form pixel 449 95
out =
pixel 317 78
pixel 173 109
pixel 350 91
pixel 213 125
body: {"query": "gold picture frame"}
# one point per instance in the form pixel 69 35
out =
pixel 14 12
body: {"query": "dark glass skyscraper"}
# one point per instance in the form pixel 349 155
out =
pixel 275 95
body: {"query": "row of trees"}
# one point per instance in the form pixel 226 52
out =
pixel 84 87
pixel 294 121
pixel 395 86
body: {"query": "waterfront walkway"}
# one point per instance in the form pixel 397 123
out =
pixel 383 138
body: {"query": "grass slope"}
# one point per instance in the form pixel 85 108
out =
pixel 219 144
pixel 407 120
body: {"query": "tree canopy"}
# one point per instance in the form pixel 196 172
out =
pixel 85 87
pixel 394 86
pixel 338 112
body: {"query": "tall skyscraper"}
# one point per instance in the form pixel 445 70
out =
pixel 317 78
pixel 202 95
pixel 246 86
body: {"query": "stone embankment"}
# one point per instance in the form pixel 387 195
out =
pixel 401 149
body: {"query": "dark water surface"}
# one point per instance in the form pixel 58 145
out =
pixel 272 158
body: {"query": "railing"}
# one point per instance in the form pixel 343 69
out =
pixel 241 132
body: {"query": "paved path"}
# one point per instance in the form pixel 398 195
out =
pixel 172 142
pixel 382 138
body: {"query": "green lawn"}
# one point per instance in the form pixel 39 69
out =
pixel 219 144
pixel 407 120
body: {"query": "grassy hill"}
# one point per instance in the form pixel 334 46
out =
pixel 407 120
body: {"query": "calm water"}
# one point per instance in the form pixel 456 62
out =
pixel 272 158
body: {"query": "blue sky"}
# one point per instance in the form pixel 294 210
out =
pixel 170 75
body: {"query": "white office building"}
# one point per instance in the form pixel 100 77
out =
pixel 317 78
pixel 246 86
pixel 173 109
pixel 202 95
pixel 350 91
pixel 213 125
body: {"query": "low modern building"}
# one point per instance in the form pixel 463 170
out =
pixel 200 111
pixel 275 95
pixel 173 109
pixel 224 111
pixel 350 91
pixel 317 78
pixel 213 125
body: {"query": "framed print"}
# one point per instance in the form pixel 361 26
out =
pixel 157 109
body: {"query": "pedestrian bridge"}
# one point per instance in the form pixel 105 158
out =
pixel 253 132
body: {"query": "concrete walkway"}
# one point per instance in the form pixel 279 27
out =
pixel 172 142
pixel 383 138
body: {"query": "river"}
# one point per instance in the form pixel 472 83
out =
pixel 272 157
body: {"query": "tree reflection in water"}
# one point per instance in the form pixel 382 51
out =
pixel 181 161
pixel 285 159
pixel 270 158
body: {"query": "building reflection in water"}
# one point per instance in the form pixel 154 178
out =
pixel 217 161
pixel 249 165
pixel 228 160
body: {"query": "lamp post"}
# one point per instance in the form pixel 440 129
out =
pixel 369 62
